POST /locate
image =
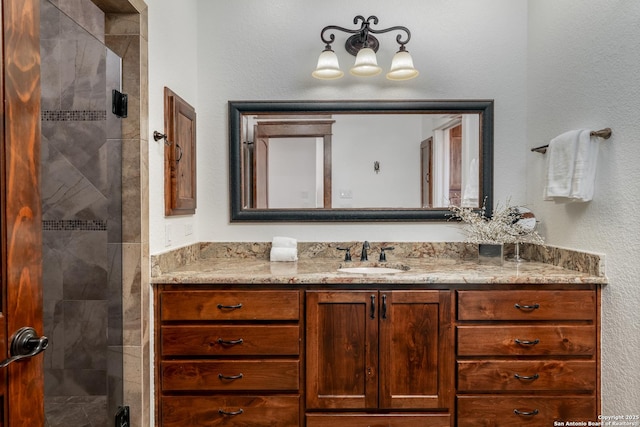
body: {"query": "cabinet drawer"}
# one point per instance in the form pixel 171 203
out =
pixel 526 340
pixel 256 411
pixel 230 340
pixel 229 305
pixel 498 411
pixel 526 305
pixel 521 375
pixel 230 375
pixel 378 420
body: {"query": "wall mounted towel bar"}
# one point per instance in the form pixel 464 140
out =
pixel 602 133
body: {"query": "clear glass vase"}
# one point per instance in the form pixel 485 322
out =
pixel 491 253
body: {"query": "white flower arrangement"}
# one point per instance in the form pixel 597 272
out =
pixel 502 227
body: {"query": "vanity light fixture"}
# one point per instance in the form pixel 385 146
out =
pixel 364 47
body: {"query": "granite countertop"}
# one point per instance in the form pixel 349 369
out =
pixel 323 270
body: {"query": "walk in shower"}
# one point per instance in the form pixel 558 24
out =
pixel 81 227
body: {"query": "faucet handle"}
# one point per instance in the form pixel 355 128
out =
pixel 347 254
pixel 365 247
pixel 383 255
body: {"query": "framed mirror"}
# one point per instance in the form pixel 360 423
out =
pixel 359 160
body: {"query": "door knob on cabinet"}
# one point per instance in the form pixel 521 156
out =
pixel 24 344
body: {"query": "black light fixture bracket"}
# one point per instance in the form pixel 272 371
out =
pixel 362 37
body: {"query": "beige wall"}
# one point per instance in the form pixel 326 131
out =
pixel 550 66
pixel 583 73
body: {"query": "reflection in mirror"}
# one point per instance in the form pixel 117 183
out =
pixel 348 160
pixel 433 158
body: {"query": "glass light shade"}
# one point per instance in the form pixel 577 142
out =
pixel 402 67
pixel 328 67
pixel 366 63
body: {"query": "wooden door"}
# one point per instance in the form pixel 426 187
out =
pixel 455 165
pixel 416 359
pixel 265 130
pixel 342 349
pixel 21 382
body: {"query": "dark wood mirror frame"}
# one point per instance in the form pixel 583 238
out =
pixel 239 108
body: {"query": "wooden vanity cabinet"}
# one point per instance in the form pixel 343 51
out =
pixel 228 358
pixel 526 357
pixel 379 351
pixel 461 355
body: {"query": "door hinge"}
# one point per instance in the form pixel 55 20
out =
pixel 122 417
pixel 119 103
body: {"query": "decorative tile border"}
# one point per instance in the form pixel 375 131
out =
pixel 73 225
pixel 73 115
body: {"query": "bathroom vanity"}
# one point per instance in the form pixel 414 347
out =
pixel 446 342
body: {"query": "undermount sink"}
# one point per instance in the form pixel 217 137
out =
pixel 372 267
pixel 369 270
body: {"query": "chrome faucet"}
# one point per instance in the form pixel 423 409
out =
pixel 363 255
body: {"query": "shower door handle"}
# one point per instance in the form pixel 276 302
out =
pixel 24 344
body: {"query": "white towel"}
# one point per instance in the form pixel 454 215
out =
pixel 284 242
pixel 283 254
pixel 571 167
pixel 561 159
pixel 584 174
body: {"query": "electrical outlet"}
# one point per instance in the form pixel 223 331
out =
pixel 188 229
pixel 346 194
pixel 122 417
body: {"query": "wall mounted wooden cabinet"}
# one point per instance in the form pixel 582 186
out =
pixel 179 155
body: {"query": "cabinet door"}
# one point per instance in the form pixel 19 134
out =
pixel 180 156
pixel 416 356
pixel 342 349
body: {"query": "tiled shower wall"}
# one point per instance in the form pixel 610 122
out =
pixel 82 237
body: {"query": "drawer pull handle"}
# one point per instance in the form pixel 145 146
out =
pixel 384 306
pixel 230 342
pixel 527 307
pixel 527 342
pixel 231 413
pixel 527 377
pixel 373 307
pixel 230 377
pixel 526 413
pixel 229 307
